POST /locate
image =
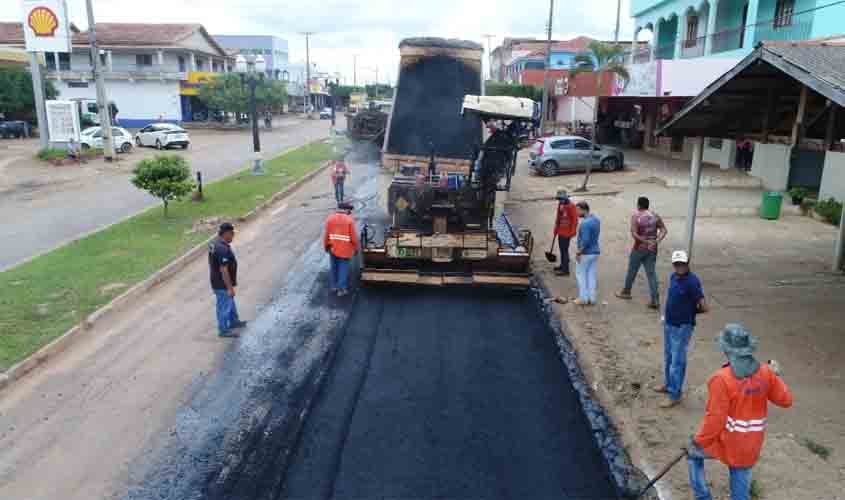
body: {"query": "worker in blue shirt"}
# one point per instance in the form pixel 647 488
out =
pixel 587 255
pixel 684 300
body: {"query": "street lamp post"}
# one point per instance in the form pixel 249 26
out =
pixel 252 73
pixel 333 85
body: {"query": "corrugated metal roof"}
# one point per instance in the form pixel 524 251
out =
pixel 824 61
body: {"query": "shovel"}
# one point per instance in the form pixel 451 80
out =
pixel 662 473
pixel 551 257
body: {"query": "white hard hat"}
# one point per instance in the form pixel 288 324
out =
pixel 680 256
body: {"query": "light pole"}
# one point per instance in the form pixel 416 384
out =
pixel 252 73
pixel 333 85
pixel 307 71
pixel 489 54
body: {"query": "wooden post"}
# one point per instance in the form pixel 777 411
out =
pixel 771 107
pixel 694 185
pixel 797 127
pixel 831 125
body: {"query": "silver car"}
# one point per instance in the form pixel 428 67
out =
pixel 566 153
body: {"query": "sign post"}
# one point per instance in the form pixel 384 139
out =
pixel 46 29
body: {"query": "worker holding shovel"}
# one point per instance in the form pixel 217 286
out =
pixel 566 226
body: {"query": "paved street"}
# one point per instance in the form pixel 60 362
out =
pixel 44 206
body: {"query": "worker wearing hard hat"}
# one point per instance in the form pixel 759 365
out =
pixel 684 300
pixel 341 242
pixel 566 227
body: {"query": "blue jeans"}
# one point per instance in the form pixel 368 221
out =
pixel 586 273
pixel 227 312
pixel 338 191
pixel 740 477
pixel 675 343
pixel 647 260
pixel 339 273
pixel 563 244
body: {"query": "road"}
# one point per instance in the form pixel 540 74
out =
pixel 408 393
pixel 39 214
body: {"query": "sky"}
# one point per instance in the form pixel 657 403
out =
pixel 368 29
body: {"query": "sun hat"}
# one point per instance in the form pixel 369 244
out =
pixel 735 340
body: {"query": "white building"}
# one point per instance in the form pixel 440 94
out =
pixel 152 71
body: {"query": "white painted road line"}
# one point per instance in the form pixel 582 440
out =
pixel 279 210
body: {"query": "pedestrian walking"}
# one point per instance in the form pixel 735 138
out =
pixel 566 227
pixel 339 172
pixel 647 230
pixel 684 300
pixel 223 270
pixel 734 425
pixel 587 255
pixel 341 242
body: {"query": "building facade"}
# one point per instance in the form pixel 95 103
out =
pixel 274 50
pixel 152 71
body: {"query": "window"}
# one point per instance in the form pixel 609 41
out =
pixel 783 13
pixel 182 65
pixel 583 145
pixel 143 59
pixel 77 85
pixel 692 31
pixel 564 144
pixel 64 61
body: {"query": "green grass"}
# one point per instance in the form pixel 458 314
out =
pixel 43 298
pixel 817 448
pixel 756 492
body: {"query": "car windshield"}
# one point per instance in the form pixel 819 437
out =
pixel 90 130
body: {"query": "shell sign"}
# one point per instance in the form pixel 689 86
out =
pixel 46 26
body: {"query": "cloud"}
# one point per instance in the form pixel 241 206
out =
pixel 372 29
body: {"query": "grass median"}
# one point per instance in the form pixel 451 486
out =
pixel 43 298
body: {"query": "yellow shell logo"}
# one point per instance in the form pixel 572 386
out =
pixel 43 21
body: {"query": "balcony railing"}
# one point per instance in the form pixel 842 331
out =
pixel 693 47
pixel 791 28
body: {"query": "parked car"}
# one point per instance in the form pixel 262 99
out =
pixel 16 129
pixel 163 135
pixel 326 114
pixel 554 155
pixel 94 139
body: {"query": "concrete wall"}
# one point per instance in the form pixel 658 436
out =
pixel 724 157
pixel 575 108
pixel 771 165
pixel 827 21
pixel 833 177
pixel 139 103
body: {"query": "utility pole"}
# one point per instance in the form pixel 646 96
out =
pixel 546 71
pixel 307 70
pixel 618 15
pixel 355 70
pixel 102 100
pixel 489 54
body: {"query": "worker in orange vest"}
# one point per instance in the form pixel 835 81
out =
pixel 566 227
pixel 341 242
pixel 737 406
pixel 339 173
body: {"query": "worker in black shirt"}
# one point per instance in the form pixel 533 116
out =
pixel 223 269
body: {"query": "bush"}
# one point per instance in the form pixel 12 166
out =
pixel 50 154
pixel 830 210
pixel 167 177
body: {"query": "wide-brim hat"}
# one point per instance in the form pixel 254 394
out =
pixel 345 206
pixel 561 194
pixel 735 340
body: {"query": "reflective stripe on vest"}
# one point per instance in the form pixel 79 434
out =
pixel 339 237
pixel 735 425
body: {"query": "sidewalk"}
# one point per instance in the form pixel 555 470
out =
pixel 773 276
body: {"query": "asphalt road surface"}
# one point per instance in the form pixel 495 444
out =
pixel 42 215
pixel 392 393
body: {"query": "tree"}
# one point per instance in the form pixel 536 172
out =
pixel 16 95
pixel 167 177
pixel 527 91
pixel 600 59
pixel 227 92
pixel 379 91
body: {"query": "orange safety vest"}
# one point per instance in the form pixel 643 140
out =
pixel 734 425
pixel 566 223
pixel 341 238
pixel 339 172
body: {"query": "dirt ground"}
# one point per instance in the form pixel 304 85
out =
pixel 773 276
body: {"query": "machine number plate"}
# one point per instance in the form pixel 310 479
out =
pixel 408 252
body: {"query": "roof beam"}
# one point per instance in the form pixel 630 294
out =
pixel 797 127
pixel 771 105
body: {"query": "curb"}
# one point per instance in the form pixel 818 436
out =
pixel 60 344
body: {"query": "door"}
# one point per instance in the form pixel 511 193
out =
pixel 583 153
pixel 805 169
pixel 563 153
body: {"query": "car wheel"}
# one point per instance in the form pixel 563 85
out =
pixel 184 146
pixel 84 147
pixel 610 164
pixel 126 147
pixel 549 168
pixel 158 145
pixel 138 142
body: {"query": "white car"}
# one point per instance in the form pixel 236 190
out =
pixel 92 137
pixel 163 135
